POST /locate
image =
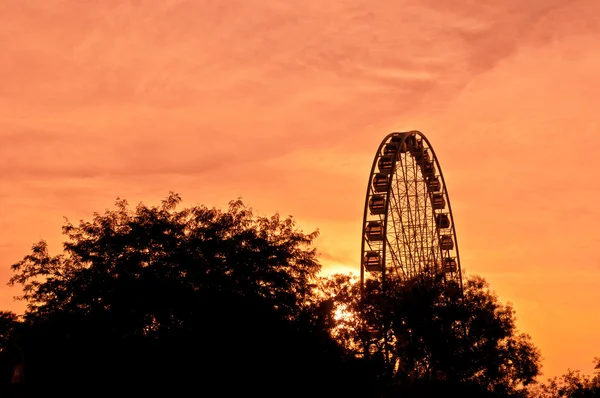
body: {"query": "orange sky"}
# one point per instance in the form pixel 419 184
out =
pixel 284 104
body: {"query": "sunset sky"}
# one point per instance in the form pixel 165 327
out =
pixel 283 103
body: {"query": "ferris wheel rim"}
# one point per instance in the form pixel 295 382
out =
pixel 370 193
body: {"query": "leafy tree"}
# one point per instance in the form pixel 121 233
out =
pixel 10 354
pixel 158 297
pixel 416 331
pixel 198 247
pixel 8 321
pixel 570 385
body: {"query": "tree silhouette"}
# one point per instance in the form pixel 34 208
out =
pixel 418 333
pixel 160 301
pixel 189 300
pixel 570 385
pixel 10 355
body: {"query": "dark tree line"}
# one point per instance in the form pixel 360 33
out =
pixel 572 384
pixel 158 301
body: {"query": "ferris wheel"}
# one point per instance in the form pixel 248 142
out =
pixel 408 228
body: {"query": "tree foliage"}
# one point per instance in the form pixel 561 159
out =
pixel 196 294
pixel 414 331
pixel 167 255
pixel 572 384
pixel 156 298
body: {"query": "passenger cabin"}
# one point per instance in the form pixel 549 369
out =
pixel 437 201
pixel 446 242
pixel 423 157
pixel 386 164
pixel 442 220
pixel 374 231
pixel 381 182
pixel 372 261
pixel 415 146
pixel 427 169
pixel 402 147
pixel 377 204
pixel 411 143
pixel 433 184
pixel 450 264
pixel 418 145
pixel 390 149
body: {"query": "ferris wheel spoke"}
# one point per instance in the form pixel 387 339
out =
pixel 398 223
pixel 396 259
pixel 407 259
pixel 407 180
pixel 418 208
